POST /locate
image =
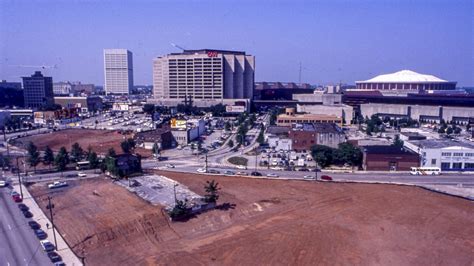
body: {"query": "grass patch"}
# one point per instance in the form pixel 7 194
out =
pixel 238 161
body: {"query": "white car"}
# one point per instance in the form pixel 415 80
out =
pixel 57 184
pixel 201 170
pixel 81 174
pixel 3 183
pixel 308 177
pixel 170 166
pixel 272 175
pixel 243 167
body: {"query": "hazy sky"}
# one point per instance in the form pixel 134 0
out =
pixel 334 40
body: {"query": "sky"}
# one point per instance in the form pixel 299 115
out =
pixel 334 41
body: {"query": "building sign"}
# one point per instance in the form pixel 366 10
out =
pixel 234 109
pixel 178 124
pixel 120 107
pixel 212 54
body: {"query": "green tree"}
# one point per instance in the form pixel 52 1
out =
pixel 261 137
pixel 457 130
pixel 93 160
pixel 227 126
pixel 350 154
pixel 33 155
pixel 127 145
pixel 156 150
pixel 230 143
pixel 4 161
pixel 212 191
pixel 397 142
pixel 111 153
pixel 76 152
pixel 180 210
pixel 449 130
pixel 62 159
pixel 322 155
pixel 48 157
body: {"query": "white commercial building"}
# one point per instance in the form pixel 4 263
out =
pixel 446 154
pixel 203 75
pixel 118 71
pixel 62 88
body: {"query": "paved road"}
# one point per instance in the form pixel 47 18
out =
pixel 18 244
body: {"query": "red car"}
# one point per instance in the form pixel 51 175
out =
pixel 326 177
pixel 17 198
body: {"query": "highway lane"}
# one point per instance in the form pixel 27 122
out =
pixel 18 244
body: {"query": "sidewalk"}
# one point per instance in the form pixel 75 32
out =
pixel 63 249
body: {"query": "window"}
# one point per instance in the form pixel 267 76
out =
pixel 457 154
pixel 447 154
pixel 469 154
pixel 445 166
pixel 457 165
pixel 469 166
pixel 433 161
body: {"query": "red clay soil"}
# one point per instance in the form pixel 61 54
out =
pixel 100 140
pixel 273 222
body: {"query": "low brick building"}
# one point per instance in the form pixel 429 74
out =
pixel 304 136
pixel 161 136
pixel 388 158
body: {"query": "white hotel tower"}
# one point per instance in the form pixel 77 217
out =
pixel 204 75
pixel 118 71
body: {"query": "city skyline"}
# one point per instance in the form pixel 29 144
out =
pixel 342 41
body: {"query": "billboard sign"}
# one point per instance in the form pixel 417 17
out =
pixel 178 124
pixel 234 109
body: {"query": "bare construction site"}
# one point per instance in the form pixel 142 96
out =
pixel 269 222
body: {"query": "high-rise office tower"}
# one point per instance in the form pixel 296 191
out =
pixel 204 75
pixel 118 71
pixel 38 90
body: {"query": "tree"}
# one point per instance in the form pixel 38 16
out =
pixel 212 190
pixel 48 157
pixel 322 155
pixel 33 157
pixel 62 159
pixel 261 137
pixel 76 152
pixel 449 130
pixel 230 143
pixel 96 122
pixel 93 160
pixel 457 130
pixel 180 210
pixel 156 150
pixel 127 145
pixel 111 152
pixel 349 153
pixel 397 142
pixel 149 108
pixel 227 126
pixel 4 161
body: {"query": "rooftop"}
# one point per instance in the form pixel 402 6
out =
pixel 206 51
pixel 403 76
pixel 382 149
pixel 277 130
pixel 318 127
pixel 309 116
pixel 441 143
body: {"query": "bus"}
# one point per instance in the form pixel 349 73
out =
pixel 425 171
pixel 82 165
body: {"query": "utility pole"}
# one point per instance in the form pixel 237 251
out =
pixel 206 162
pixel 19 178
pixel 256 154
pixel 174 189
pixel 51 207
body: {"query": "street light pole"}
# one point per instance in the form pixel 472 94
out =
pixel 174 189
pixel 256 160
pixel 50 207
pixel 19 178
pixel 206 162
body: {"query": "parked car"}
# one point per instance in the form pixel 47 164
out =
pixel 272 175
pixel 54 257
pixel 256 174
pixel 170 166
pixel 40 234
pixel 201 170
pixel 23 207
pixel 3 183
pixel 47 245
pixel 213 171
pixel 241 173
pixel 308 177
pixel 81 174
pixel 17 198
pixel 34 225
pixel 326 177
pixel 228 172
pixel 243 167
pixel 27 214
pixel 57 184
pixel 303 170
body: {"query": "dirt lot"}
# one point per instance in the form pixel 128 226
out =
pixel 273 222
pixel 100 140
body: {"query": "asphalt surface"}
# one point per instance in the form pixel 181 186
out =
pixel 18 243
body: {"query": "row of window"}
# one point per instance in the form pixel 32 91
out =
pixel 457 154
pixel 453 166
